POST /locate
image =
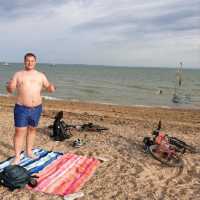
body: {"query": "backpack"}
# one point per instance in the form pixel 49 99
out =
pixel 60 132
pixel 16 176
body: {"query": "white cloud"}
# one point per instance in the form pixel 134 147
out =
pixel 114 32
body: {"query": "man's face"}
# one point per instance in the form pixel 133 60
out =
pixel 29 62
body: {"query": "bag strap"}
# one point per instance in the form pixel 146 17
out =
pixel 34 176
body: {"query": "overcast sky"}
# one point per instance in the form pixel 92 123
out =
pixel 108 32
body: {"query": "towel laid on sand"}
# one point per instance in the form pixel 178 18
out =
pixel 58 173
pixel 66 175
pixel 43 159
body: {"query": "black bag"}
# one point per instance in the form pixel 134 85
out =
pixel 60 132
pixel 16 176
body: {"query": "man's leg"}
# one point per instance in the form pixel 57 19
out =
pixel 33 123
pixel 18 141
pixel 31 133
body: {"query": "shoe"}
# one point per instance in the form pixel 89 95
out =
pixel 78 143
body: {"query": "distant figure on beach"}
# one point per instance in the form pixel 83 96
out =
pixel 28 84
pixel 159 92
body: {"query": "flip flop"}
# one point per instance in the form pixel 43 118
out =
pixel 78 143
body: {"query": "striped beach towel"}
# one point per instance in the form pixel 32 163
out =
pixel 44 158
pixel 58 173
pixel 66 175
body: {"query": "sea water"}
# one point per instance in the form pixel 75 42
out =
pixel 115 85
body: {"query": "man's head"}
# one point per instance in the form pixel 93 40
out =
pixel 30 61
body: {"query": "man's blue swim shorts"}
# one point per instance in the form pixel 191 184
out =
pixel 25 116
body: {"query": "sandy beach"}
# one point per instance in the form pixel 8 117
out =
pixel 130 174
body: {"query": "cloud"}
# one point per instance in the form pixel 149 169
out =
pixel 129 32
pixel 144 18
pixel 25 8
pixel 17 5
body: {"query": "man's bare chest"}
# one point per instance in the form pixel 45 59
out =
pixel 30 82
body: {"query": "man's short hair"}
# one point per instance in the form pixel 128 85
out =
pixel 30 55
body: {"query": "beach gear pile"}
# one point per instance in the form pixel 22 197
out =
pixel 91 127
pixel 62 131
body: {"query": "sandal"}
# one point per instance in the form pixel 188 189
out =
pixel 78 143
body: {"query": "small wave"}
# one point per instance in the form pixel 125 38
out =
pixel 140 87
pixel 45 97
pixel 73 100
pixel 104 103
pixel 89 91
pixel 3 95
pixel 165 87
pixel 151 106
pixel 51 98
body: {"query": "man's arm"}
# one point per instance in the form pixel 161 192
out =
pixel 12 84
pixel 47 85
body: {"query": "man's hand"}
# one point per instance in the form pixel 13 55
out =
pixel 51 88
pixel 12 83
pixel 10 86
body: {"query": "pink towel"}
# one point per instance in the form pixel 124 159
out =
pixel 66 175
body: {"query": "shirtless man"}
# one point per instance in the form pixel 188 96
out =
pixel 28 84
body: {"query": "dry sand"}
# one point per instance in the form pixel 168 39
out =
pixel 129 173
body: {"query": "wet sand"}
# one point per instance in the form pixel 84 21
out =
pixel 129 173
